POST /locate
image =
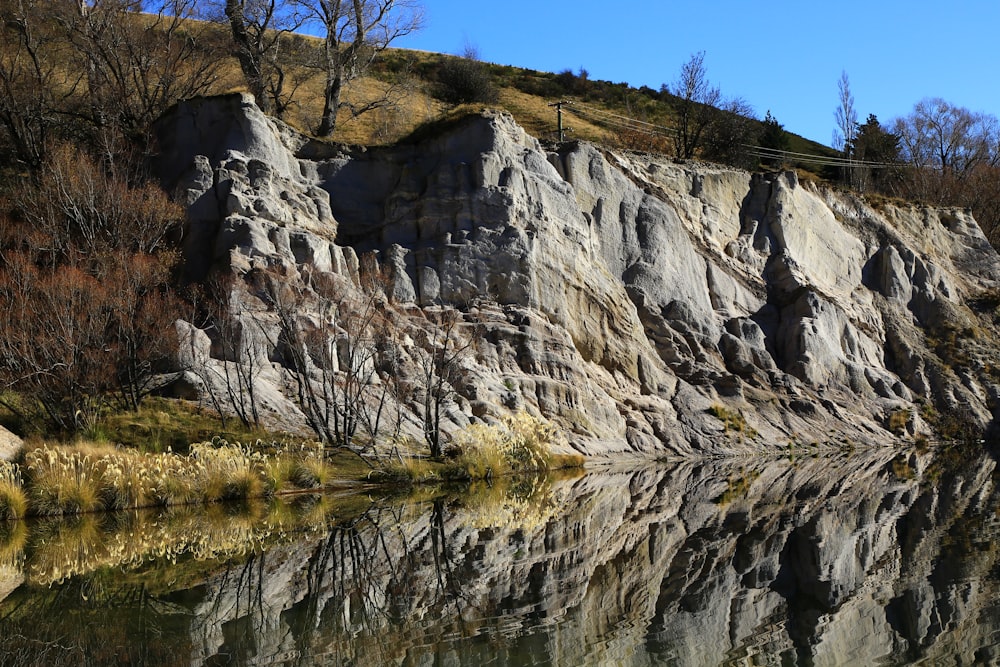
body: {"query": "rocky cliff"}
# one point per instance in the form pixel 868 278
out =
pixel 643 306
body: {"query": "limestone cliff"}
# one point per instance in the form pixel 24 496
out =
pixel 639 304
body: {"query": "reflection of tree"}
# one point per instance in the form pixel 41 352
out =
pixel 38 629
pixel 817 558
pixel 245 606
pixel 448 584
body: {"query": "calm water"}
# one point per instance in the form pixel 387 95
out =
pixel 820 561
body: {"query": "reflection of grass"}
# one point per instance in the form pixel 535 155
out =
pixel 62 548
pixel 901 468
pixel 737 487
pixel 13 538
pixel 524 501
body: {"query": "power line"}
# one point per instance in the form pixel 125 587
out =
pixel 618 121
pixel 822 160
pixel 625 122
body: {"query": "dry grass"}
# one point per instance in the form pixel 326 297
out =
pixel 13 499
pixel 897 421
pixel 733 421
pixel 535 115
pixel 517 444
pixel 514 445
pixel 87 477
pixel 62 481
pixel 308 467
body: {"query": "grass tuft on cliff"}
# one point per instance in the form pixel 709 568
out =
pixel 514 445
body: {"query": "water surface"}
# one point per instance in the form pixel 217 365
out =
pixel 881 558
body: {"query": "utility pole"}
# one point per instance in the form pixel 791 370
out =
pixel 559 105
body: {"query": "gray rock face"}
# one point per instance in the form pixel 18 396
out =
pixel 10 445
pixel 618 295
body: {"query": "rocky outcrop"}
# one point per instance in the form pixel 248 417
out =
pixel 10 445
pixel 632 301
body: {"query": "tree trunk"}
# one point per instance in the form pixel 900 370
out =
pixel 331 102
pixel 250 62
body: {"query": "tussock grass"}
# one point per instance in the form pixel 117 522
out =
pixel 13 499
pixel 514 445
pixel 62 481
pixel 67 480
pixel 897 421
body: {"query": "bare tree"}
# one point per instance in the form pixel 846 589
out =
pixel 355 33
pixel 846 132
pixel 242 361
pixel 695 101
pixel 29 78
pixel 335 345
pixel 946 144
pixel 440 353
pixel 136 58
pixel 260 29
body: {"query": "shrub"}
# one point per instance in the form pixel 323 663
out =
pixel 465 80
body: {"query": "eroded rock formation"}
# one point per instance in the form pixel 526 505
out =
pixel 632 301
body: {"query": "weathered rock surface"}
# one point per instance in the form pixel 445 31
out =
pixel 619 296
pixel 10 445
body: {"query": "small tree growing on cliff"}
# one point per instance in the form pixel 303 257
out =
pixel 259 29
pixel 439 357
pixel 355 33
pixel 694 103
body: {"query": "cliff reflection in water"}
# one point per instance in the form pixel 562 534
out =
pixel 825 561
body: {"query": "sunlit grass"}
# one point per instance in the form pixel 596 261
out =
pixel 62 481
pixel 89 477
pixel 13 499
pixel 516 444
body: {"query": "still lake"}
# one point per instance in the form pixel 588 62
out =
pixel 832 559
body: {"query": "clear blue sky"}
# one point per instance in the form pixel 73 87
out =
pixel 781 56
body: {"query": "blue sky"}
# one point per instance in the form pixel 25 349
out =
pixel 781 56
